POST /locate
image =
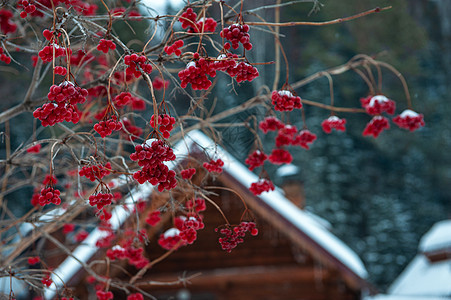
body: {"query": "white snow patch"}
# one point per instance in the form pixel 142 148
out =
pixel 422 278
pixel 379 99
pixel 437 238
pixel 190 64
pixel 287 170
pixel 171 232
pixel 285 93
pixel 149 142
pixel 333 118
pixel 408 113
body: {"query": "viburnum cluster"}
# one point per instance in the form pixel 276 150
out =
pixel 376 105
pixel 95 172
pixel 284 100
pixel 184 232
pixel 174 48
pixel 106 127
pixel 376 126
pixel 333 122
pixel 151 156
pixel 197 70
pixel 59 70
pixel 27 6
pixel 409 119
pixel 135 64
pixel 135 256
pixel 153 218
pixel 214 166
pixel 6 25
pixel 234 235
pixel 236 34
pixel 49 195
pixel 3 57
pixel 62 107
pixel 256 159
pixel 106 45
pixel 165 124
pixel 188 173
pixel 263 185
pixel 100 200
pixel 188 20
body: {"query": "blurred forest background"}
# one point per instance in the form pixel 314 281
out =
pixel 380 195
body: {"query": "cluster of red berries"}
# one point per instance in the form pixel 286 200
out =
pixel 208 26
pixel 153 218
pixel 151 157
pixel 376 105
pixel 60 71
pixel 196 73
pixel 243 72
pixel 106 45
pixel 263 185
pixel 237 33
pixel 226 63
pixel 376 126
pixel 333 122
pixel 165 124
pixel 188 19
pixel 81 236
pixel 4 58
pixel 270 124
pixel 280 156
pixel 159 83
pixel 47 281
pixel 197 204
pixel 49 195
pixel 67 92
pixel 188 173
pixel 135 63
pixel 188 227
pixel 134 255
pixel 136 296
pixel 33 260
pixel 409 119
pixel 171 239
pixel 284 100
pixel 106 127
pixel 5 21
pixel 123 99
pixel 304 138
pixel 46 54
pixel 214 166
pixel 28 7
pixel 102 295
pixel 51 113
pixel 94 172
pixel 233 235
pixel 256 159
pixel 100 200
pixel 289 135
pixel 174 48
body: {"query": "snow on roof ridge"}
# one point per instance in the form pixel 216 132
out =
pixel 286 208
pixel 437 238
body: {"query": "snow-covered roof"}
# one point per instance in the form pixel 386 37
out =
pixel 437 238
pixel 275 199
pixel 423 278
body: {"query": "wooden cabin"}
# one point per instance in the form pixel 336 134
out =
pixel 294 256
